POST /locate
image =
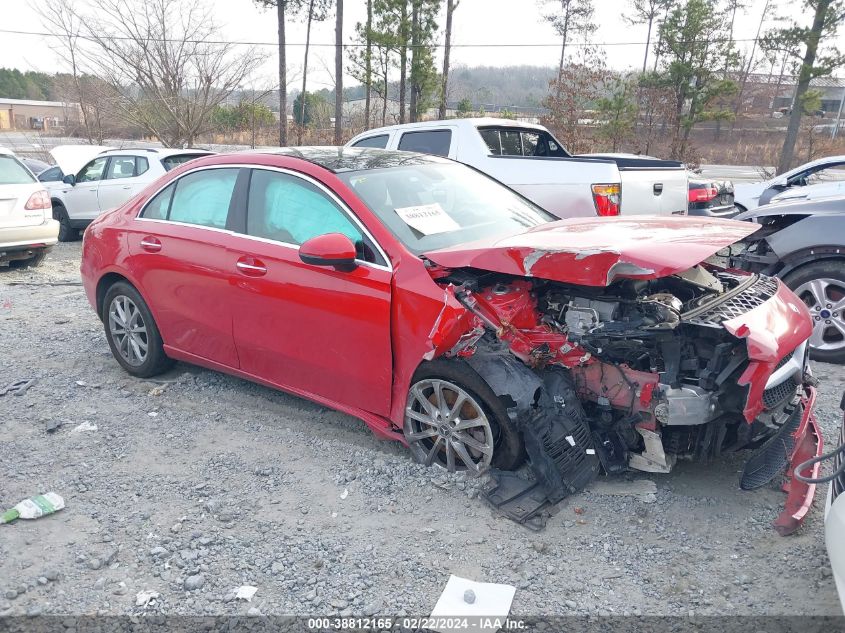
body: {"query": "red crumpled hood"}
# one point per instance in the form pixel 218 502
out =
pixel 595 251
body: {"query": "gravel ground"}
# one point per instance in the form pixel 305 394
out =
pixel 199 483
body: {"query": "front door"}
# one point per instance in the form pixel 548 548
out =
pixel 310 329
pixel 81 199
pixel 178 256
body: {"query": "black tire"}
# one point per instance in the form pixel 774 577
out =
pixel 155 361
pixel 508 447
pixel 66 232
pixel 825 269
pixel 30 262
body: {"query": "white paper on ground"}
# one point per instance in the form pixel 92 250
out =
pixel 428 219
pixel 245 592
pixel 492 601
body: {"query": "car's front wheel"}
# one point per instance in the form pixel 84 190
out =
pixel 66 232
pixel 454 420
pixel 132 333
pixel 821 286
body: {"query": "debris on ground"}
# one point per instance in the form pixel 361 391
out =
pixel 18 388
pixel 644 490
pixel 34 507
pixel 146 598
pixel 467 598
pixel 84 427
pixel 54 425
pixel 245 592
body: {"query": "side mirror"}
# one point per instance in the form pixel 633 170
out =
pixel 70 179
pixel 331 249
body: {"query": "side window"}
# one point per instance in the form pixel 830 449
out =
pixel 93 170
pixel 511 143
pixel 159 205
pixel 288 209
pixel 379 141
pixel 428 142
pixel 203 197
pixel 141 165
pixel 120 167
pixel 530 140
pixel 491 138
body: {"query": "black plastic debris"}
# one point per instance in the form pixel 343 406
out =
pixel 17 388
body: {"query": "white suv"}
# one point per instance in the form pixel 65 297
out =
pixel 105 181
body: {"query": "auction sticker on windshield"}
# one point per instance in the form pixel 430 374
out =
pixel 428 219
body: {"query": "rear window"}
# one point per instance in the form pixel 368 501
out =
pixel 379 141
pixel 170 162
pixel 12 172
pixel 514 142
pixel 435 142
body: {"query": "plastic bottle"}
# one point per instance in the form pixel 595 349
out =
pixel 34 507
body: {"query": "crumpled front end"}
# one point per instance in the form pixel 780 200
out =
pixel 688 366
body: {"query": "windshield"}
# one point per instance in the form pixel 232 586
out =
pixel 169 162
pixel 12 172
pixel 434 206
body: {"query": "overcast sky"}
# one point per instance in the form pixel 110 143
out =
pixel 475 22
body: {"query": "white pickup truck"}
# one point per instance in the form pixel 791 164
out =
pixel 530 160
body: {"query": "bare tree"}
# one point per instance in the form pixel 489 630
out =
pixel 451 5
pixel 646 12
pixel 60 19
pixel 338 72
pixel 317 10
pixel 163 61
pixel 568 17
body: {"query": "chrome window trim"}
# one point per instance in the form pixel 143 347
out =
pixel 331 195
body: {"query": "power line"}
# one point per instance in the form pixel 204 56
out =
pixel 355 45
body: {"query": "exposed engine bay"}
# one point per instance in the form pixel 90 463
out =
pixel 654 368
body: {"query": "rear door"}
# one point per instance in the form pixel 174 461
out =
pixel 178 248
pixel 121 181
pixel 17 184
pixel 310 329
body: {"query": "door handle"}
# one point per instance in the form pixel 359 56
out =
pixel 126 187
pixel 151 244
pixel 658 188
pixel 94 189
pixel 251 267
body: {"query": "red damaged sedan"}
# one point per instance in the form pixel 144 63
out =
pixel 453 315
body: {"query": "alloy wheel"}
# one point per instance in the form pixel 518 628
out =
pixel 128 330
pixel 446 426
pixel 825 299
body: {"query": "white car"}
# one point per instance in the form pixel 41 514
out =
pixel 529 159
pixel 98 179
pixel 27 228
pixel 817 179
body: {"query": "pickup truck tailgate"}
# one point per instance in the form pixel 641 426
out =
pixel 651 186
pixel 654 191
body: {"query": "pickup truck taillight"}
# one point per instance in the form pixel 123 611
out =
pixel 703 194
pixel 607 198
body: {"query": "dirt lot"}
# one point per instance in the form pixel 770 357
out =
pixel 200 483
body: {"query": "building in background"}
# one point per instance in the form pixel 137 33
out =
pixel 25 114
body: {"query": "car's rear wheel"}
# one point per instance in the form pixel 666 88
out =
pixel 132 333
pixel 454 420
pixel 29 262
pixel 821 286
pixel 66 232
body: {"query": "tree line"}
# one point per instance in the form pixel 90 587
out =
pixel 163 66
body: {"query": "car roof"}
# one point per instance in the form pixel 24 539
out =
pixel 477 122
pixel 6 152
pixel 160 152
pixel 341 159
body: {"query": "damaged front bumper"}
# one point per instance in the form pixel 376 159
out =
pixel 807 442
